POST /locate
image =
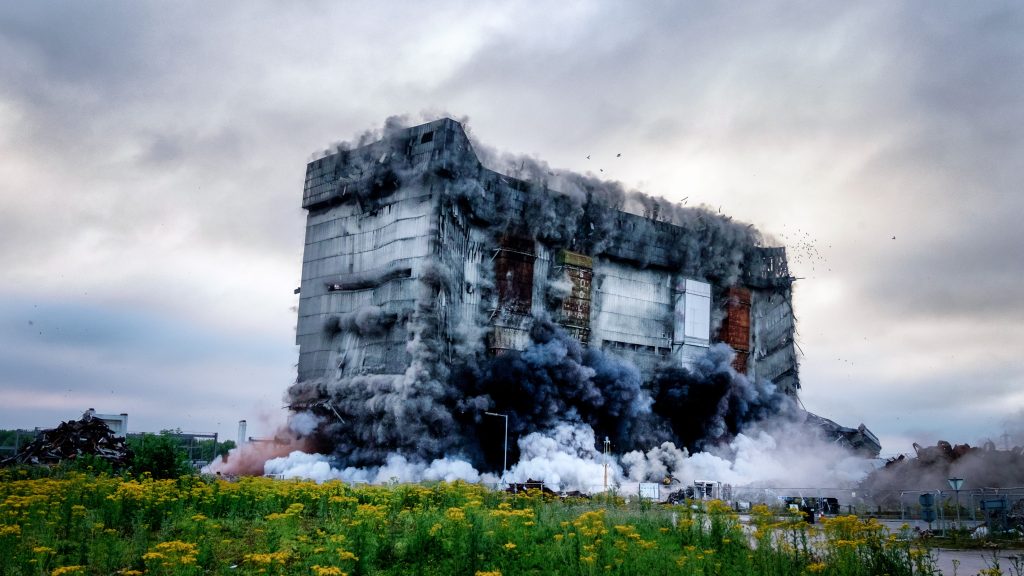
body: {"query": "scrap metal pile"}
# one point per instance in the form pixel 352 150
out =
pixel 71 440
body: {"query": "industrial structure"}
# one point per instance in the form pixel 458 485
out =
pixel 374 229
pixel 411 239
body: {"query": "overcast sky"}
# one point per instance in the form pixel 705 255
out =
pixel 152 159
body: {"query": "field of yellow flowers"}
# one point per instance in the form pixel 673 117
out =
pixel 80 524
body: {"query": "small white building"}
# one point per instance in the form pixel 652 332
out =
pixel 118 423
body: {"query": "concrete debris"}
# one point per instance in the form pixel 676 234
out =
pixel 71 440
pixel 680 496
pixel 530 484
pixel 932 466
pixel 858 439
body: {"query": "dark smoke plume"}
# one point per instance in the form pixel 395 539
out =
pixel 553 381
pixel 711 402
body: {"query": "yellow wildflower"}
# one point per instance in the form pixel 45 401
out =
pixel 172 553
pixel 346 555
pixel 269 559
pixel 10 530
pixel 328 571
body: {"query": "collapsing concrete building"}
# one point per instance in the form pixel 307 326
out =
pixel 418 260
pixel 369 238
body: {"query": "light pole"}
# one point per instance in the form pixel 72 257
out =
pixel 504 464
pixel 607 449
pixel 956 484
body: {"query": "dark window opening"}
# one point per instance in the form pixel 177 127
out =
pixel 427 137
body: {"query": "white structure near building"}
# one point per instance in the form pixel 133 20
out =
pixel 118 423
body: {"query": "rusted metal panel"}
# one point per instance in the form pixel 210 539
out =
pixel 513 271
pixel 574 315
pixel 735 329
pixel 581 279
pixel 576 312
pixel 739 363
pixel 581 335
pixel 513 274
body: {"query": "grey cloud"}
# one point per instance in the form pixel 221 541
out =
pixel 975 271
pixel 155 367
pixel 119 332
pixel 75 43
pixel 956 407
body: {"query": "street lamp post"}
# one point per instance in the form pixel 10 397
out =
pixel 504 464
pixel 956 484
pixel 607 449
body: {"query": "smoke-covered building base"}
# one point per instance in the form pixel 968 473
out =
pixel 429 280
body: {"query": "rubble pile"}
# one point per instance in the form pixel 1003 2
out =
pixel 932 466
pixel 72 439
pixel 530 484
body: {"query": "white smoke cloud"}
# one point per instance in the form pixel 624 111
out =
pixel 559 288
pixel 396 469
pixel 303 423
pixel 302 465
pixel 564 459
pixel 655 464
pixel 778 454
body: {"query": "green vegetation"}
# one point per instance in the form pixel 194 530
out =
pixel 159 455
pixel 168 454
pixel 76 523
pixel 10 440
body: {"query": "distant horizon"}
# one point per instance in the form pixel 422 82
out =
pixel 885 454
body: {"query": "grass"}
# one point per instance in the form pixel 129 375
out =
pixel 83 524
